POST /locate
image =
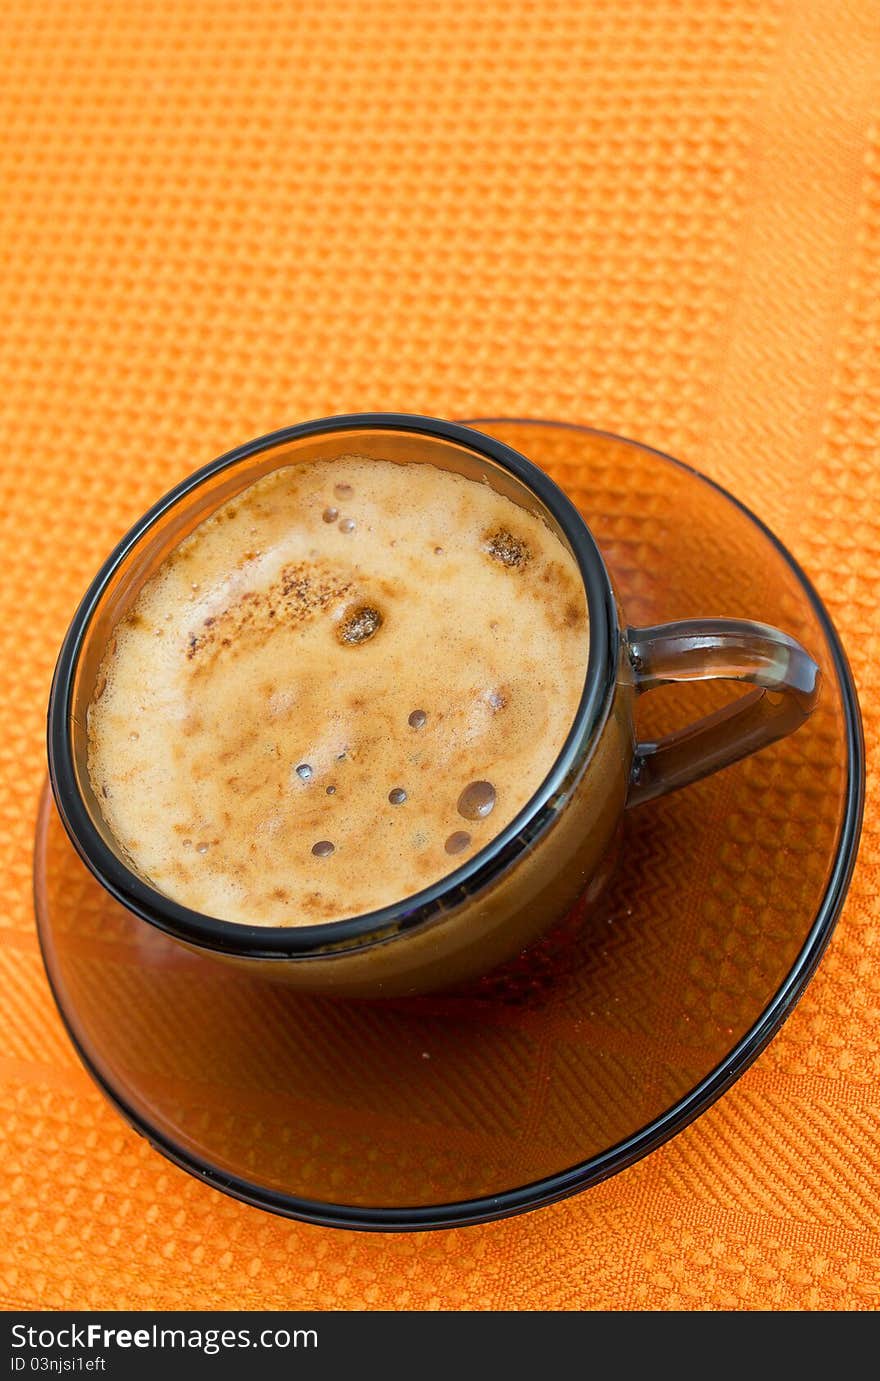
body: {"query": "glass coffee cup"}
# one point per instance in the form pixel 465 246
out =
pixel 558 847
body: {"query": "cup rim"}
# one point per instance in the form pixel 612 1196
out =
pixel 383 924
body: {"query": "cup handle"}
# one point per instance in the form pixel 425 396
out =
pixel 786 677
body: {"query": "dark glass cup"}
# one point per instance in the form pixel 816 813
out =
pixel 560 846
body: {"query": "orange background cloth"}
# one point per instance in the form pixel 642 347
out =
pixel 660 218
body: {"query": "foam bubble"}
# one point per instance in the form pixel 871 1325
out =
pixel 323 848
pixel 305 772
pixel 347 524
pixel 359 625
pixel 397 796
pixel 457 842
pixel 418 719
pixel 343 490
pixel 477 800
pixel 509 550
pixel 330 515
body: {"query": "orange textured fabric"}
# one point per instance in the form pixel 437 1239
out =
pixel 661 218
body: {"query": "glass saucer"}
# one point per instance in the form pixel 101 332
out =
pixel 593 1048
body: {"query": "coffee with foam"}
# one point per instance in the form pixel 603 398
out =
pixel 336 690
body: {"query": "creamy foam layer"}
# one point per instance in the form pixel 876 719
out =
pixel 338 688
